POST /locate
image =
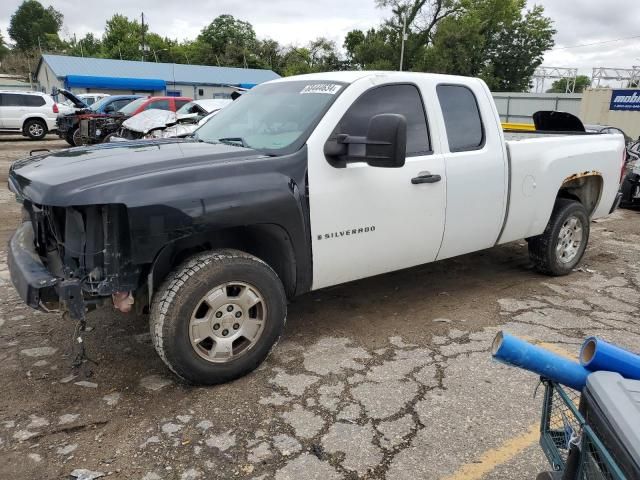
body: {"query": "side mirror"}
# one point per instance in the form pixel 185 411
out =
pixel 384 146
pixel 109 109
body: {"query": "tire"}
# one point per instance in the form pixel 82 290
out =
pixel 76 137
pixel 556 256
pixel 35 129
pixel 68 137
pixel 179 312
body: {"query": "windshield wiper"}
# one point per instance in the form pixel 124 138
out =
pixel 233 141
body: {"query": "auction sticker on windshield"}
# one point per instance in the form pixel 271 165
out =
pixel 329 88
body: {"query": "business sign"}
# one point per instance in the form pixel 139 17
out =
pixel 625 100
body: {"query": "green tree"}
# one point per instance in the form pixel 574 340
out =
pixel 497 40
pixel 87 46
pixel 227 41
pixel 33 26
pixel 373 50
pixel 123 38
pixel 318 55
pixel 560 86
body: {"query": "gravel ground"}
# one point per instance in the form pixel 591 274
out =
pixel 389 377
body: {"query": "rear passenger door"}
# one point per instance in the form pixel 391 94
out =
pixel 368 220
pixel 12 111
pixel 476 169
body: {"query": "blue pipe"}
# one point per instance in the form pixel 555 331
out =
pixel 517 352
pixel 596 354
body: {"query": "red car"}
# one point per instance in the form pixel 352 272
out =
pixel 147 103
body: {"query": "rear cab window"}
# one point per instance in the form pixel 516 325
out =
pixel 462 119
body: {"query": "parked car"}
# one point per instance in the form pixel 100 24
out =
pixel 302 183
pixel 32 114
pixel 166 124
pixel 69 124
pixel 161 103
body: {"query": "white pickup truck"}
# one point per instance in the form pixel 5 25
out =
pixel 302 183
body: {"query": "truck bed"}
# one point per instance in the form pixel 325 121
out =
pixel 540 162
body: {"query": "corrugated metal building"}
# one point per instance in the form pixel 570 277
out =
pixel 85 75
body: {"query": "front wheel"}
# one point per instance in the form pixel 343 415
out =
pixel 217 316
pixel 561 246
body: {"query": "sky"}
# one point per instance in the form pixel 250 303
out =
pixel 577 22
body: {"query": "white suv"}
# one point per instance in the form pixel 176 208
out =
pixel 31 113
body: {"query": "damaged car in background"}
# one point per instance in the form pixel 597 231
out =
pixel 104 118
pixel 166 124
pixel 69 123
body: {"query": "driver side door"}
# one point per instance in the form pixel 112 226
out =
pixel 369 220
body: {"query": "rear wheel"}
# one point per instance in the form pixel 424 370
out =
pixel 35 129
pixel 561 246
pixel 217 316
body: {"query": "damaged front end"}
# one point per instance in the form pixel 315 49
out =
pixel 73 258
pixel 95 129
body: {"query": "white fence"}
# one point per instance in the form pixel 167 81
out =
pixel 519 107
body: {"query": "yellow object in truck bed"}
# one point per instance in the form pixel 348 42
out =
pixel 521 127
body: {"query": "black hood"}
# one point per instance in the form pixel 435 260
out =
pixel 109 173
pixel 77 103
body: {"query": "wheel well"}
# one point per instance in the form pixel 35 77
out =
pixel 585 188
pixel 268 242
pixel 27 120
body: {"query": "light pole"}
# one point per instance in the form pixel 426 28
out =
pixel 404 38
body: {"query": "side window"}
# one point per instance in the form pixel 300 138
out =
pixel 13 100
pixel 181 103
pixel 34 101
pixel 461 117
pixel 158 105
pixel 118 104
pixel 401 99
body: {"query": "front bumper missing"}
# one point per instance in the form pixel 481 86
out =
pixel 37 287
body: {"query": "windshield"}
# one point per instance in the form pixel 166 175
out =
pixel 272 117
pixel 133 106
pixel 191 107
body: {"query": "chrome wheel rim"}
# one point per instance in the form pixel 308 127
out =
pixel 36 130
pixel 569 239
pixel 227 322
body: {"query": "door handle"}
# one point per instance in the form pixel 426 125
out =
pixel 425 177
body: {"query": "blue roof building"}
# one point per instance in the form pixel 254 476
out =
pixel 85 75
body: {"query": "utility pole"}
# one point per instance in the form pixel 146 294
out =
pixel 404 39
pixel 143 37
